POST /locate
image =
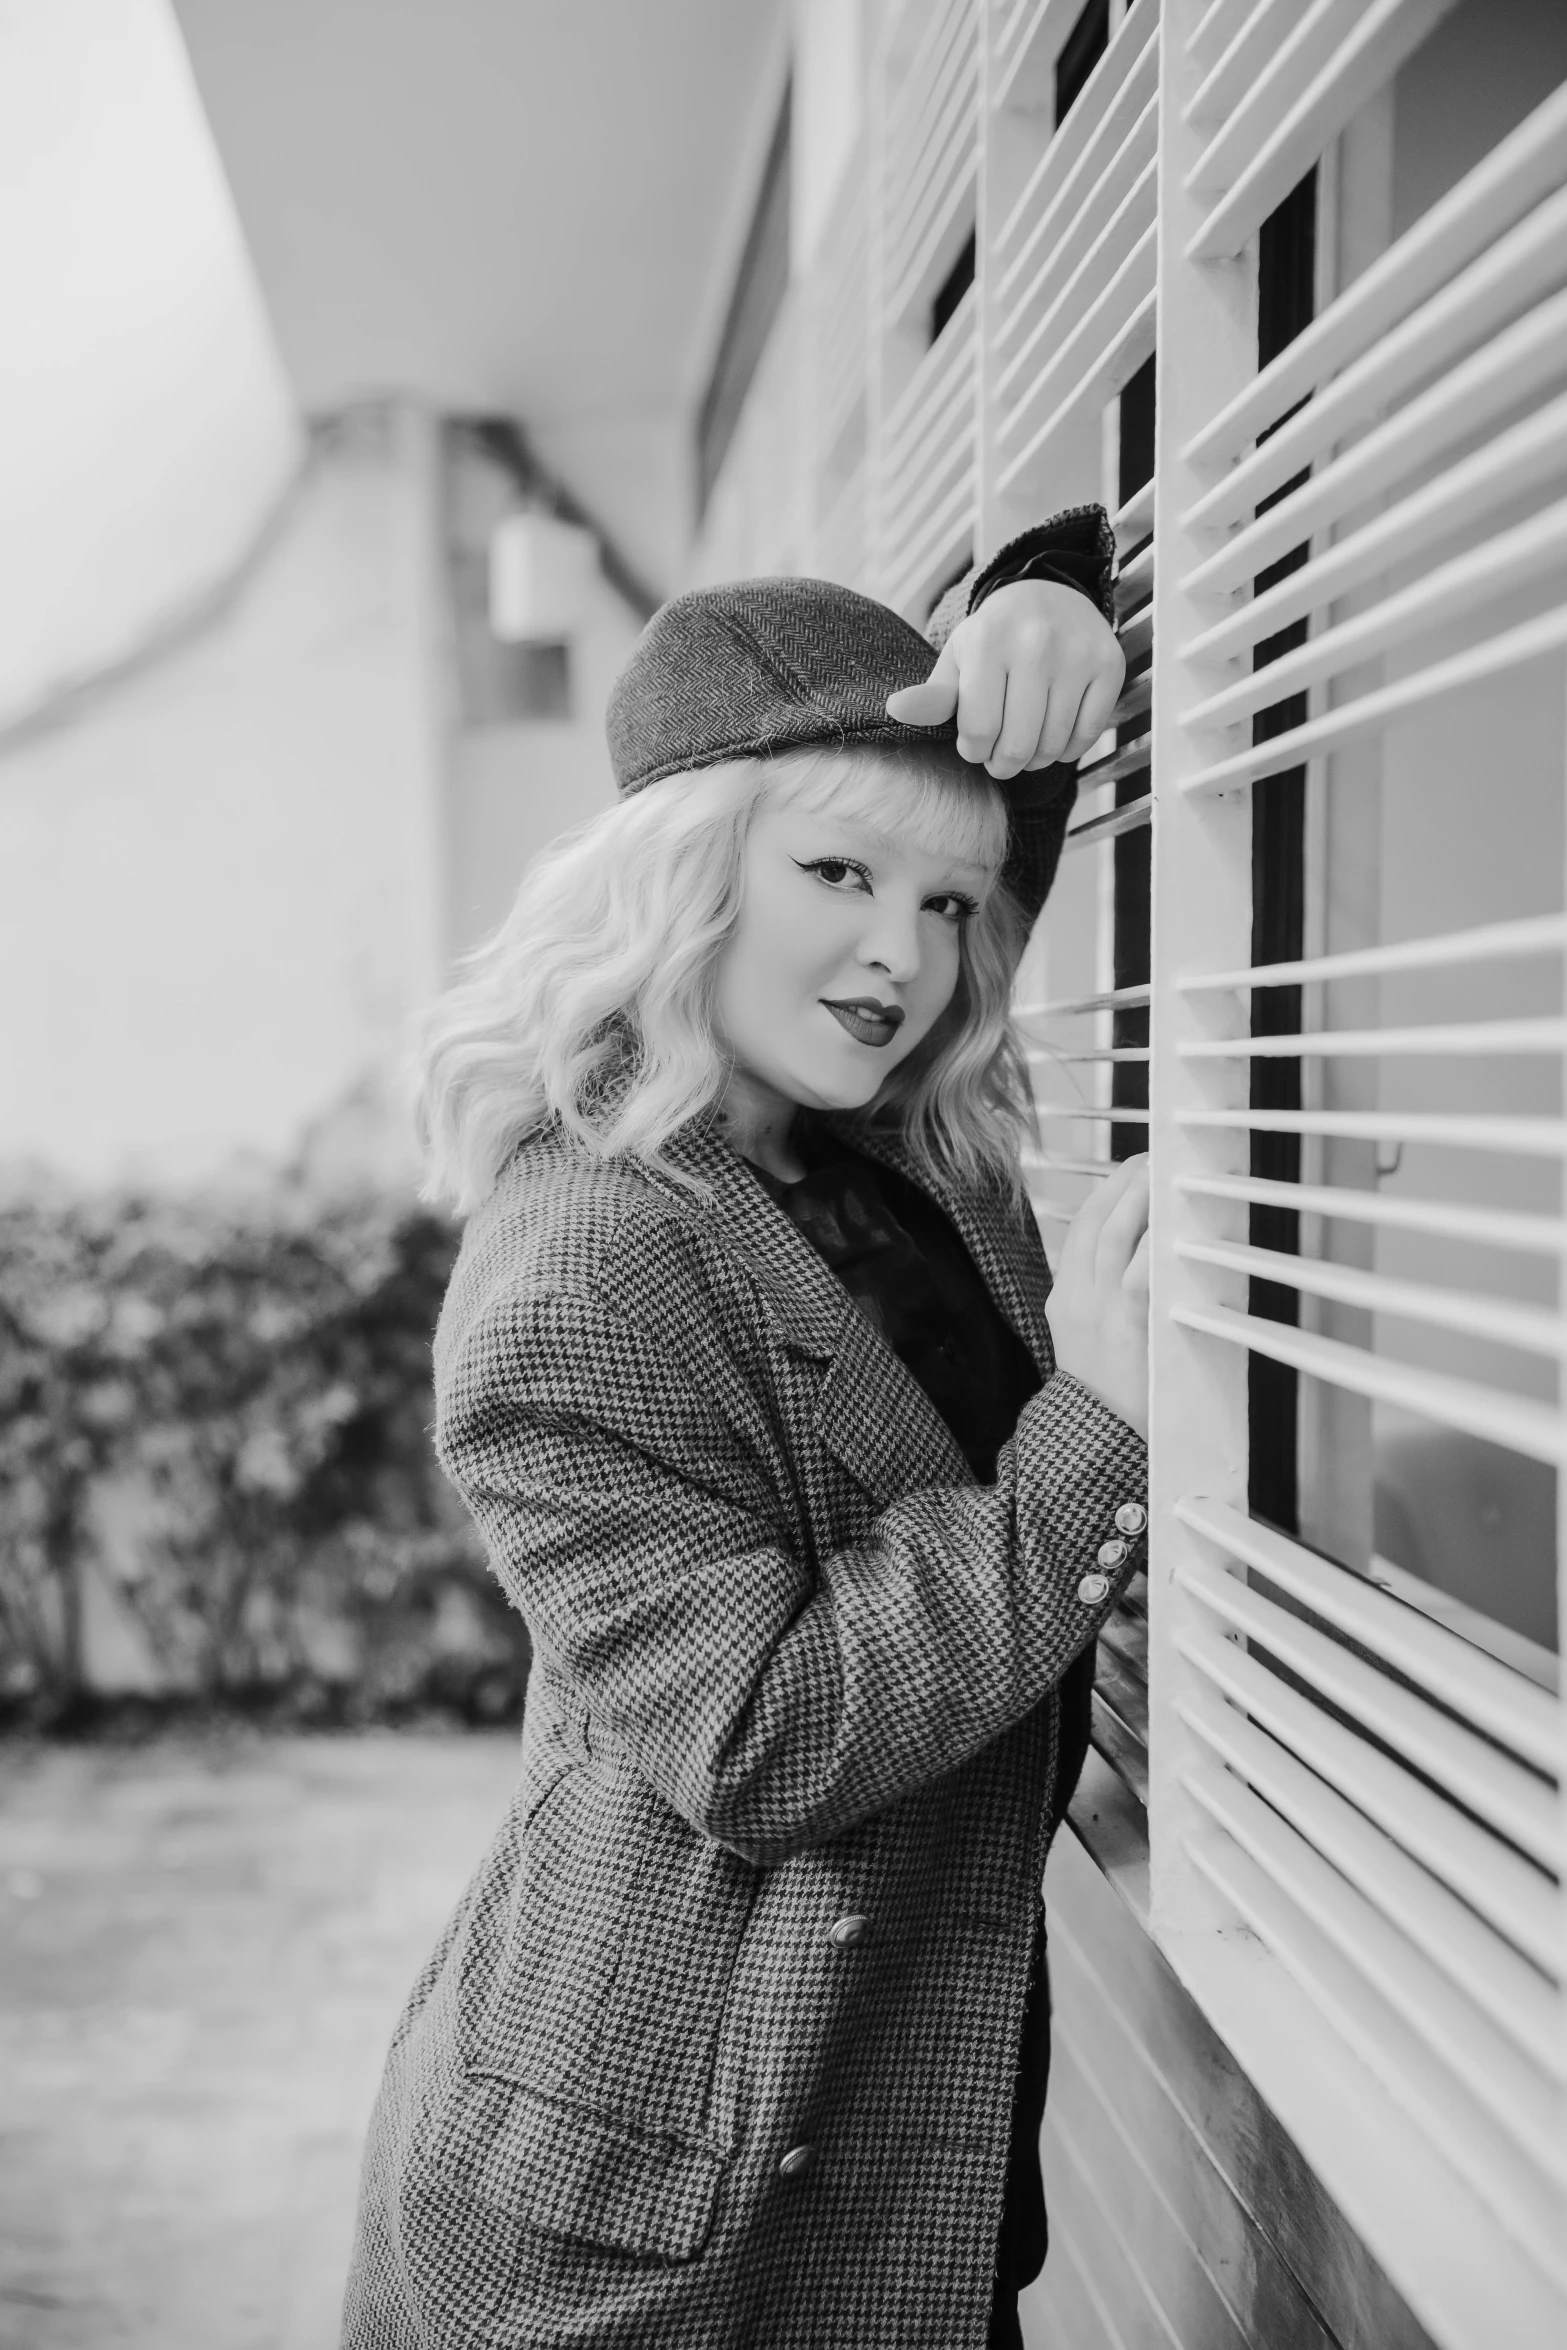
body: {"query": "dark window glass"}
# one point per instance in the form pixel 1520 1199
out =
pixel 1085 44
pixel 952 289
pixel 1287 260
pixel 1131 854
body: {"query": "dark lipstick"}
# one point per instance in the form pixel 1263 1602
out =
pixel 866 1020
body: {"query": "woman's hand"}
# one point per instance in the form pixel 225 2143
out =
pixel 1031 677
pixel 1098 1309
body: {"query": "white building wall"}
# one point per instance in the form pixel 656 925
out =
pixel 220 884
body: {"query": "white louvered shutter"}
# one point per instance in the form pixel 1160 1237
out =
pixel 1374 1792
pixel 1351 1765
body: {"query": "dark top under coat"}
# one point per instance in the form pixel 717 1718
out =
pixel 909 1273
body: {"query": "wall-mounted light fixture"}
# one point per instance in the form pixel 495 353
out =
pixel 542 572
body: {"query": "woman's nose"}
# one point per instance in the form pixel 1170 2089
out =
pixel 892 943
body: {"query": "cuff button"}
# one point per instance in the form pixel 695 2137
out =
pixel 1112 1553
pixel 1092 1589
pixel 1130 1518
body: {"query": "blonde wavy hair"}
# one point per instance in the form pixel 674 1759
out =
pixel 591 1007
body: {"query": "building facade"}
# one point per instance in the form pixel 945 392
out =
pixel 1284 283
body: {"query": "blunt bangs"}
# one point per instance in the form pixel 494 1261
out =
pixel 923 793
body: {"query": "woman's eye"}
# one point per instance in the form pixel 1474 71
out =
pixel 835 871
pixel 952 906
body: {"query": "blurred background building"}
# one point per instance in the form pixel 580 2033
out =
pixel 386 363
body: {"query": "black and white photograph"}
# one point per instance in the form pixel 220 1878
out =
pixel 783 911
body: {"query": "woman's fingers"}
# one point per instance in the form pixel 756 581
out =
pixel 1134 1281
pixel 1029 699
pixel 1095 713
pixel 1084 1232
pixel 932 703
pixel 1066 695
pixel 982 698
pixel 1121 1231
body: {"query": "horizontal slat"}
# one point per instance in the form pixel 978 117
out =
pixel 1536 1138
pixel 1042 1162
pixel 1115 999
pixel 1136 636
pixel 1537 1664
pixel 1516 648
pixel 1381 34
pixel 1216 28
pixel 1044 309
pixel 1313 1920
pixel 1091 1110
pixel 1122 1749
pixel 1132 818
pixel 1502 1984
pixel 1103 328
pixel 1129 759
pixel 1491 1785
pixel 1124 1694
pixel 946 367
pixel 915 486
pixel 1458 589
pixel 1529 1328
pixel 1119 1053
pixel 1135 519
pixel 936 545
pixel 1457 1038
pixel 1488 942
pixel 945 42
pixel 1048 229
pixel 1136 700
pixel 1283 46
pixel 1501 188
pixel 923 205
pixel 1073 158
pixel 1240 64
pixel 1478 2006
pixel 1513 1896
pixel 1488 338
pixel 1500 1702
pixel 1488 1227
pixel 915 481
pixel 1134 581
pixel 940 225
pixel 1512 464
pixel 1516 1422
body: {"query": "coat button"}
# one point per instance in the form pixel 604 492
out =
pixel 1131 1518
pixel 1092 1589
pixel 797 2162
pixel 1112 1553
pixel 848 1931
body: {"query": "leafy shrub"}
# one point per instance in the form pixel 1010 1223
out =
pixel 223 1409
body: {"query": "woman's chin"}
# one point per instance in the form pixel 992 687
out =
pixel 841 1089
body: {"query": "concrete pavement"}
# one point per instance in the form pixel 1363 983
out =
pixel 204 1943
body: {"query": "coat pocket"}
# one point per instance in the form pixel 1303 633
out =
pixel 571 2173
pixel 603 1983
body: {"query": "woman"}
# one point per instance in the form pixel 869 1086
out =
pixel 746 1372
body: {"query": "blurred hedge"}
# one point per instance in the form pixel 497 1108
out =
pixel 221 1409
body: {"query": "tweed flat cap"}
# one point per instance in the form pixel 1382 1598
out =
pixel 760 666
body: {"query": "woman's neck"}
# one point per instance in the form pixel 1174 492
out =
pixel 758 1123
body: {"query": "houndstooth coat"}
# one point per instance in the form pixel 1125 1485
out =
pixel 718 2050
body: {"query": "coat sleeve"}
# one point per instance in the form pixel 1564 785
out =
pixel 1074 549
pixel 637 1511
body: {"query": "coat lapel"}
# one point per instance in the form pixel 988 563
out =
pixel 1010 1260
pixel 870 1413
